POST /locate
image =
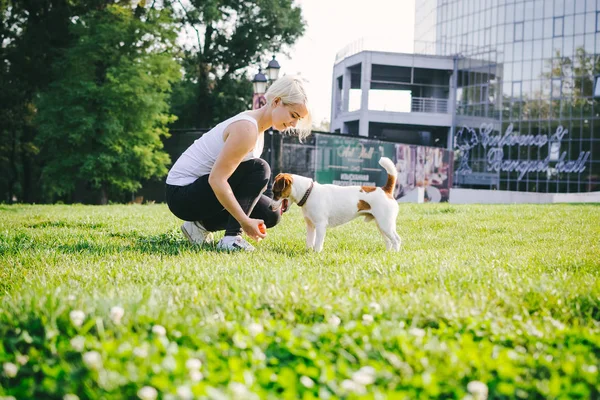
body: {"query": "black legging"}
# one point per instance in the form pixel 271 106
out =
pixel 197 201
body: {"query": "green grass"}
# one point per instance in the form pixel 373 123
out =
pixel 505 295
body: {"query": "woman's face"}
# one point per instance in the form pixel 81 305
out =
pixel 287 116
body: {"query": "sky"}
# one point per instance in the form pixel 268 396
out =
pixel 333 24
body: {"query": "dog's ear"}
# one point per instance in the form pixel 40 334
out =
pixel 281 183
pixel 287 178
pixel 278 183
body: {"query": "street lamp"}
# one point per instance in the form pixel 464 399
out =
pixel 273 141
pixel 273 69
pixel 260 82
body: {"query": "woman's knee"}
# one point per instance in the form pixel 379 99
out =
pixel 257 172
pixel 272 218
pixel 263 211
pixel 261 168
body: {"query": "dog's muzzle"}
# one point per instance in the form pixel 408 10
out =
pixel 281 205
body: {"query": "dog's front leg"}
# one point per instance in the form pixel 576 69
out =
pixel 310 234
pixel 320 236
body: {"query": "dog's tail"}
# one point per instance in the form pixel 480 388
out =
pixel 390 168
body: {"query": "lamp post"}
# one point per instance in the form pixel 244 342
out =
pixel 261 83
pixel 273 70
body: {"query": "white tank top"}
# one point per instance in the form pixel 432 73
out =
pixel 200 157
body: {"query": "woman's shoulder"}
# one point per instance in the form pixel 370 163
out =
pixel 242 126
pixel 242 122
pixel 244 116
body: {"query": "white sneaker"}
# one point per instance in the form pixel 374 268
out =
pixel 196 233
pixel 234 243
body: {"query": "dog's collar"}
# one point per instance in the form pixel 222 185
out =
pixel 305 197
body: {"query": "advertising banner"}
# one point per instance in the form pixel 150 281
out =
pixel 355 161
pixel 427 167
pixel 351 161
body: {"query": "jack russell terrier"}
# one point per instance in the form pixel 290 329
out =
pixel 333 205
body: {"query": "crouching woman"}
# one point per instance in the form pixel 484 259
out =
pixel 219 182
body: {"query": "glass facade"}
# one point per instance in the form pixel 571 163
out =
pixel 527 117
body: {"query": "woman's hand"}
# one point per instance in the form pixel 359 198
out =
pixel 252 228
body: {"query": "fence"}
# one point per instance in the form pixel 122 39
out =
pixel 299 158
pixel 429 105
pixel 283 153
pixel 338 159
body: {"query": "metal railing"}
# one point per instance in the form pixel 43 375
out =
pixel 369 44
pixel 438 48
pixel 429 105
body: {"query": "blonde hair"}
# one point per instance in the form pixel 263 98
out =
pixel 291 90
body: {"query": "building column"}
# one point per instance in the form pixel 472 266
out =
pixel 345 96
pixel 335 99
pixel 452 103
pixel 365 85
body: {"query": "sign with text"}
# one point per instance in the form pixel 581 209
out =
pixel 351 161
pixel 497 147
pixel 355 161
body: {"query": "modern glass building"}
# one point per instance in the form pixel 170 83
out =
pixel 510 85
pixel 527 98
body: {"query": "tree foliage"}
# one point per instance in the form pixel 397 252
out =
pixel 32 35
pixel 107 109
pixel 227 37
pixel 88 86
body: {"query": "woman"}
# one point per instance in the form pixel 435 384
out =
pixel 218 182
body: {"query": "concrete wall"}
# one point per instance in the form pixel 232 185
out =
pixel 365 58
pixel 473 196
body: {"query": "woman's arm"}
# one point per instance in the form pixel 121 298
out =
pixel 240 139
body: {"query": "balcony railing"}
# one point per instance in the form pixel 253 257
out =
pixel 429 105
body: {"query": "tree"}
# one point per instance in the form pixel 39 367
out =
pixel 324 126
pixel 102 118
pixel 229 36
pixel 41 78
pixel 32 35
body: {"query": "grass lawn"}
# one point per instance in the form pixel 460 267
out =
pixel 111 302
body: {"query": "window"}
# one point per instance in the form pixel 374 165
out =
pixel 556 86
pixel 519 32
pixel 597 86
pixel 558 26
pixel 460 99
pixel 538 29
pixel 580 24
pixel 559 7
pixel 516 90
pixel 597 21
pixel 484 93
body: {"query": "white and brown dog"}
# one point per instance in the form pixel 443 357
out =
pixel 333 205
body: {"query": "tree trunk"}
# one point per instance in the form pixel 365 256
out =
pixel 204 110
pixel 31 192
pixel 103 198
pixel 14 173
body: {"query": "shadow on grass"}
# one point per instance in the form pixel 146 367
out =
pixel 64 224
pixel 162 244
pixel 168 244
